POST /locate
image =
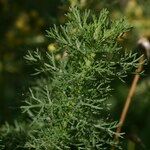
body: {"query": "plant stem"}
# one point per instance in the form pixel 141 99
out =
pixel 129 98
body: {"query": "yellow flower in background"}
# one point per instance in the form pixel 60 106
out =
pixel 22 22
pixel 52 47
pixel 134 9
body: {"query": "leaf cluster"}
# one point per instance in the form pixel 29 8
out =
pixel 14 137
pixel 68 108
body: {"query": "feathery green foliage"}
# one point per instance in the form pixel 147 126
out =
pixel 68 106
pixel 14 137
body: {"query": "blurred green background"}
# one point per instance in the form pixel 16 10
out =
pixel 22 28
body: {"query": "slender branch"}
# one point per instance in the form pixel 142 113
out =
pixel 129 98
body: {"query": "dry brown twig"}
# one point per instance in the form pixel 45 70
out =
pixel 130 95
pixel 146 46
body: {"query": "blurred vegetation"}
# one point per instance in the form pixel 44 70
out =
pixel 22 27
